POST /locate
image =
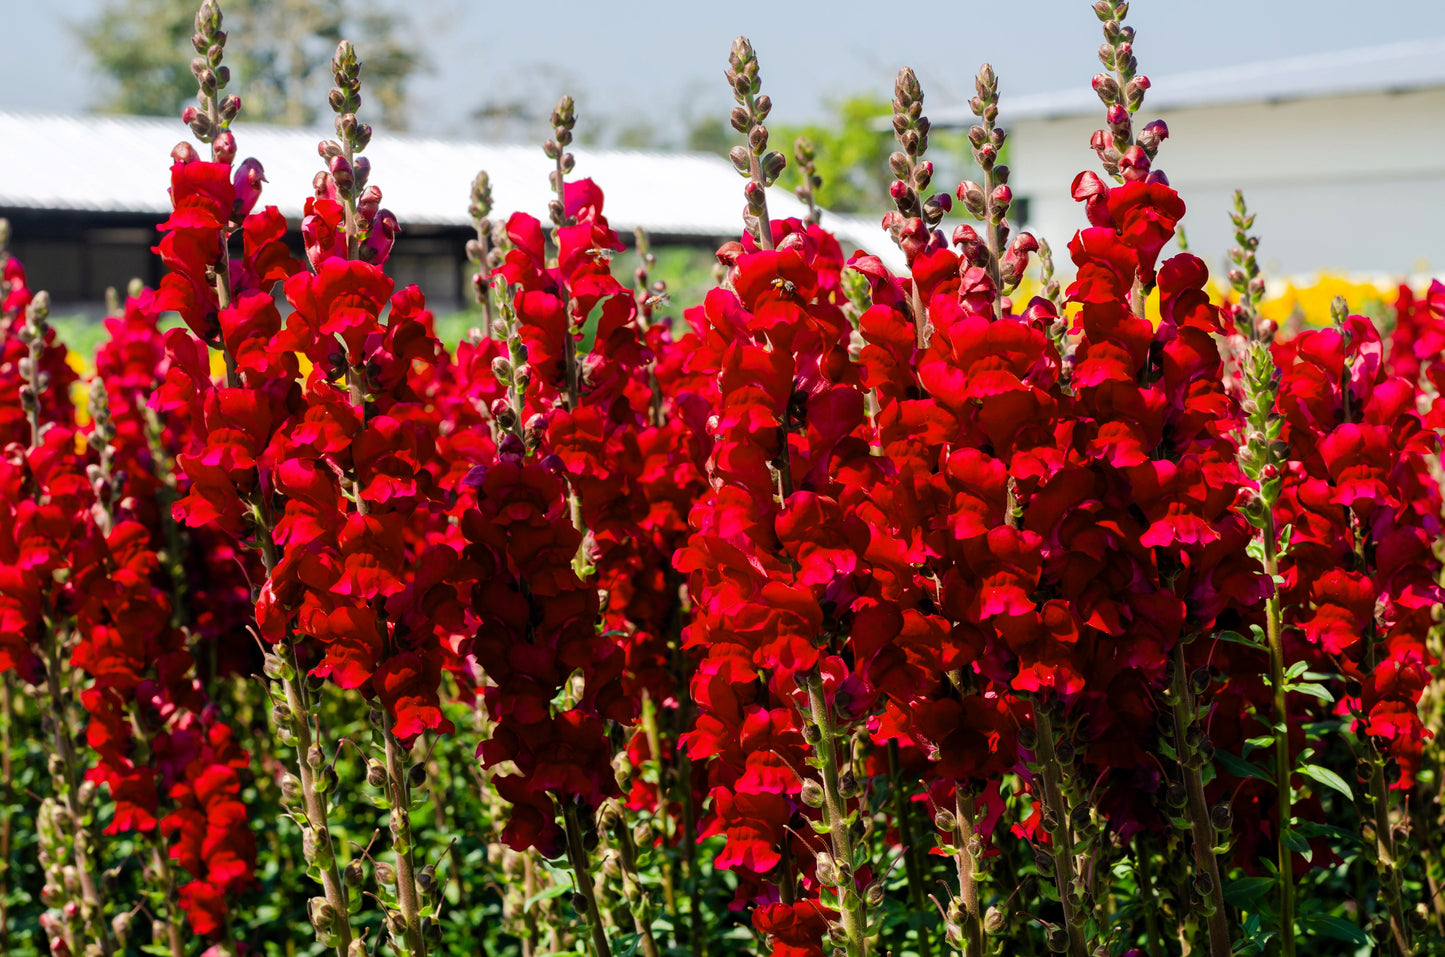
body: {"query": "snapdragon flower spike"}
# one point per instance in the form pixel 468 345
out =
pixel 787 618
pixel 1358 497
pixel 975 425
pixel 589 423
pixel 761 166
pixel 1125 155
pixel 53 565
pixel 1417 345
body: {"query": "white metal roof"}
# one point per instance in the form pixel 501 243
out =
pixel 1393 67
pixel 122 164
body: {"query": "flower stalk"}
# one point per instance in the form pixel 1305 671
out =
pixel 755 161
pixel 1193 751
pixel 578 858
pixel 1061 841
pixel 852 906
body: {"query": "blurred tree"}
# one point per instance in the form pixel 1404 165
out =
pixel 279 55
pixel 852 154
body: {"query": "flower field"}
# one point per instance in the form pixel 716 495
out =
pixel 844 613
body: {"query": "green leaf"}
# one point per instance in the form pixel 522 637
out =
pixel 1235 637
pixel 1328 778
pixel 556 890
pixel 1263 741
pixel 1296 842
pixel 1247 891
pixel 1335 927
pixel 1310 688
pixel 1295 670
pixel 1239 767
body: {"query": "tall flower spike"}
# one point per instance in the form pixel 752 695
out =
pixel 1244 277
pixel 369 229
pixel 210 120
pixel 1264 459
pixel 761 166
pixel 913 173
pixel 563 119
pixel 1125 156
pixel 804 152
pixel 989 202
pixel 479 250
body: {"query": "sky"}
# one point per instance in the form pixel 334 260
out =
pixel 660 62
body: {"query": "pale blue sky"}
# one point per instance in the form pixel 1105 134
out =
pixel 655 59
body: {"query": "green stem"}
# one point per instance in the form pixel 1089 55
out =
pixel 577 854
pixel 964 813
pixel 1274 626
pixel 93 913
pixel 408 897
pixel 1200 825
pixel 315 805
pixel 160 856
pixel 627 857
pixel 654 748
pixel 852 905
pixel 903 813
pixel 1146 891
pixel 1060 841
pixel 696 927
pixel 1386 862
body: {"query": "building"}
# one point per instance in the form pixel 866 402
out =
pixel 1341 155
pixel 84 194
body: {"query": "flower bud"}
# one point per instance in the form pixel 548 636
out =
pixel 773 164
pixel 1107 88
pixel 971 195
pixel 224 147
pixel 1221 817
pixel 826 869
pixel 426 879
pixel 922 175
pixel 323 915
pixel 741 159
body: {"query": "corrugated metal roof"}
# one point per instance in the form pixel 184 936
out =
pixel 1394 67
pixel 121 164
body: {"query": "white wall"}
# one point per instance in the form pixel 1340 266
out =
pixel 1351 183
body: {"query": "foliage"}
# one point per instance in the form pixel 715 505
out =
pixel 141 48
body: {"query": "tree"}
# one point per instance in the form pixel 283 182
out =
pixel 852 154
pixel 281 67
